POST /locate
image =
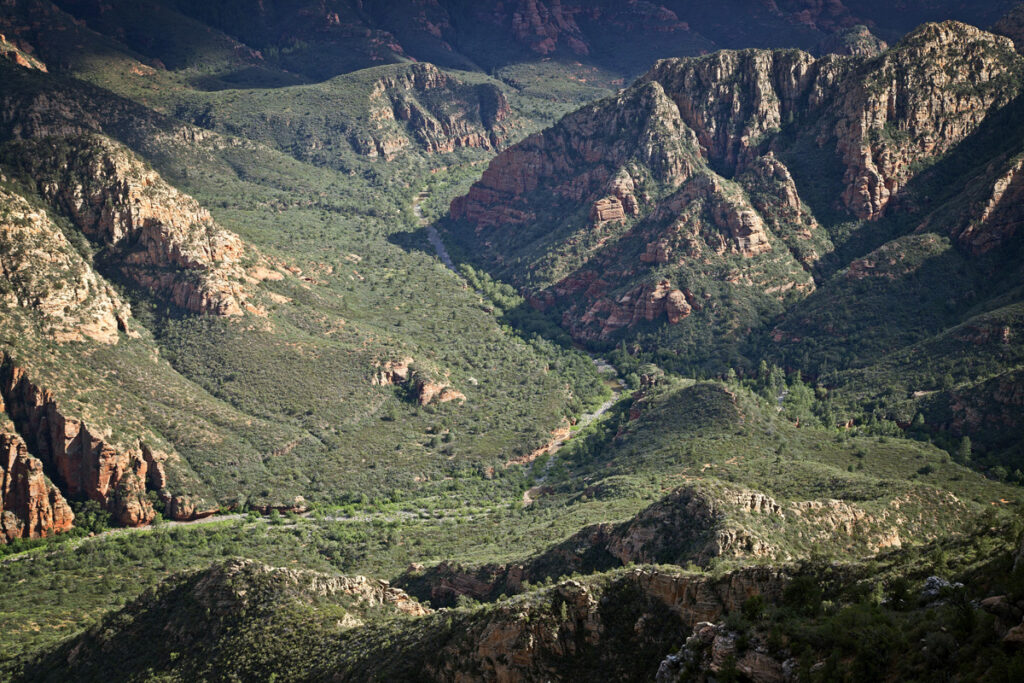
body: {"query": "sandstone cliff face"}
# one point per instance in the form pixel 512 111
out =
pixel 438 111
pixel 18 55
pixel 645 302
pixel 735 101
pixel 687 169
pixel 579 627
pixel 44 274
pixel 996 220
pixel 914 102
pixel 582 158
pixel 30 505
pixel 86 464
pixel 164 240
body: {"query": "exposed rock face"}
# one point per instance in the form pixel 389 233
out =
pixel 44 274
pixel 712 648
pixel 736 101
pixel 434 392
pixel 914 102
pixel 1003 211
pixel 525 643
pixel 582 158
pixel 774 195
pixel 687 169
pixel 86 464
pixel 425 387
pixel 19 56
pixel 393 372
pixel 856 41
pixel 30 505
pixel 165 241
pixel 646 302
pixel 436 111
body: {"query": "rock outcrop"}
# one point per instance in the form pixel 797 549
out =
pixel 997 220
pixel 577 627
pixel 915 102
pixel 86 464
pixel 689 168
pixel 582 158
pixel 19 55
pixel 163 239
pixel 30 505
pixel 645 302
pixel 42 273
pixel 855 41
pixel 425 387
pixel 432 109
pixel 736 101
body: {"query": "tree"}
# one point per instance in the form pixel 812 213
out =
pixel 963 451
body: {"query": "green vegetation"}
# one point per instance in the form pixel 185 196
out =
pixel 805 429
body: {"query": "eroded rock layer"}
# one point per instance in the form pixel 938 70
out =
pixel 44 274
pixel 30 505
pixel 86 464
pixel 163 239
pixel 683 178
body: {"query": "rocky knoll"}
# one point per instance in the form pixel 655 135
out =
pixel 209 621
pixel 42 273
pixel 695 525
pixel 158 237
pixel 86 463
pixel 30 505
pixel 675 177
pixel 424 385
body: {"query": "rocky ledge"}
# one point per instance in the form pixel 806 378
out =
pixel 160 238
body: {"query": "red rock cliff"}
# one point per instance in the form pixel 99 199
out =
pixel 30 505
pixel 85 463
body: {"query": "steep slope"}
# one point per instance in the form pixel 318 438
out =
pixel 158 237
pixel 773 195
pixel 840 619
pixel 47 279
pixel 210 409
pixel 319 40
pixel 381 113
pixel 30 505
pixel 251 620
pixel 239 616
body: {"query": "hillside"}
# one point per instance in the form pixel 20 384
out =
pixel 530 340
pixel 212 310
pixel 770 204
